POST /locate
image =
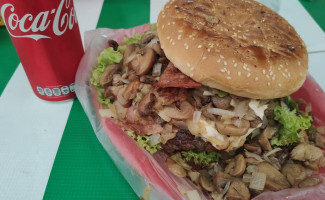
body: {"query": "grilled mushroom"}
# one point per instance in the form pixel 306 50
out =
pixel 143 60
pixel 108 74
pixel 232 130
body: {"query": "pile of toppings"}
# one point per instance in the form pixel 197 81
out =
pixel 229 146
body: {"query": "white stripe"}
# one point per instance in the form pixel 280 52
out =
pixel 155 7
pixel 31 129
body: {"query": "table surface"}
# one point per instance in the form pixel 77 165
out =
pixel 49 150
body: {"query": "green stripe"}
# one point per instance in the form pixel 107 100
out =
pixel 316 9
pixel 9 59
pixel 82 169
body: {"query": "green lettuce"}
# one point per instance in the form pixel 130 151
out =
pixel 107 57
pixel 200 158
pixel 291 124
pixel 153 26
pixel 291 103
pixel 144 141
pixel 222 93
pixel 135 39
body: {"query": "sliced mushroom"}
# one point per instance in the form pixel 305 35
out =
pixel 127 53
pixel 146 104
pixel 206 183
pixel 220 179
pixel 131 90
pixel 238 190
pixel 143 60
pixel 254 148
pixel 295 173
pixel 148 36
pixel 308 182
pixel 108 74
pixel 221 102
pixel 237 166
pixel 232 130
pixel 175 168
pixel 263 140
pixel 275 181
pixel 185 111
pixel 157 48
pixel 311 156
pixel 113 44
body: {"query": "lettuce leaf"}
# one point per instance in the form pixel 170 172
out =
pixel 290 103
pixel 200 158
pixel 291 124
pixel 143 141
pixel 222 93
pixel 135 39
pixel 107 57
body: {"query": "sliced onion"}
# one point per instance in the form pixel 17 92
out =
pixel 258 181
pixel 253 155
pixel 251 168
pixel 218 111
pixel 193 195
pixel 225 190
pixel 156 71
pixel 194 176
pixel 241 108
pixel 247 178
pixel 273 151
pixel 197 116
pixel 207 93
pixel 107 113
pixel 154 139
pixel 163 116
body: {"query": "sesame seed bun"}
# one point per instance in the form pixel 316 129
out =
pixel 239 46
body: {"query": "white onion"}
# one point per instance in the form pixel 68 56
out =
pixel 194 176
pixel 163 116
pixel 251 168
pixel 241 108
pixel 156 71
pixel 258 181
pixel 197 116
pixel 247 178
pixel 207 93
pixel 253 155
pixel 218 111
pixel 107 113
pixel 225 190
pixel 273 151
pixel 237 122
pixel 154 139
pixel 193 195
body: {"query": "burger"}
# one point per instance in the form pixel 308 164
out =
pixel 208 88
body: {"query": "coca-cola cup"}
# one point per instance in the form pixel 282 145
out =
pixel 46 36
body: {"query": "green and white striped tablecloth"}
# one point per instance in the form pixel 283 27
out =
pixel 49 150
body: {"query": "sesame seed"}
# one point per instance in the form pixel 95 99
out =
pixel 209 50
pixel 204 58
pixel 248 75
pixel 179 37
pixel 271 73
pixel 221 56
pixel 228 77
pixel 268 83
pixel 248 69
pixel 235 64
pixel 267 76
pixel 286 70
pixel 218 61
pixel 289 74
pixel 299 63
pixel 225 63
pixel 200 46
pixel 273 77
pixel 233 61
pixel 173 22
pixel 163 26
pixel 239 73
pixel 279 85
pixel 281 66
pixel 180 31
pixel 173 43
pixel 168 38
pixel 168 23
pixel 222 70
pixel 256 78
pixel 264 71
pixel 188 64
pixel 228 72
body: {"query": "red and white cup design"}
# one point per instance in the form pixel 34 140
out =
pixel 47 40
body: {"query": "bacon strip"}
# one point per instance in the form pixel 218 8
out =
pixel 172 77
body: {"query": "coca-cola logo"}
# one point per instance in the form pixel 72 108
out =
pixel 36 27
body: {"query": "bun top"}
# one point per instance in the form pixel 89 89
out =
pixel 239 46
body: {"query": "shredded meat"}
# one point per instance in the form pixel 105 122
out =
pixel 167 96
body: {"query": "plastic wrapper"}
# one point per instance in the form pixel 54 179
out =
pixel 147 174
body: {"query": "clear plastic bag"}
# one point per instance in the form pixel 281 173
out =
pixel 147 174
